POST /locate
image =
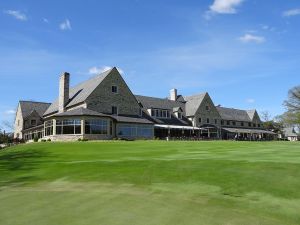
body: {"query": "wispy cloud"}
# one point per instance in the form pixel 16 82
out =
pixel 97 70
pixel 250 100
pixel 291 12
pixel 65 25
pixel 247 38
pixel 9 112
pixel 225 6
pixel 16 14
pixel 45 20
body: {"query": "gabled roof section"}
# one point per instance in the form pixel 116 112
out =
pixel 28 107
pixel 80 92
pixel 158 103
pixel 234 114
pixel 251 113
pixel 193 102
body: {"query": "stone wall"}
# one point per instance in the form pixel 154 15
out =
pixel 211 113
pixel 102 99
pixel 18 123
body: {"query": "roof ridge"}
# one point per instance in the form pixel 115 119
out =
pixel 93 77
pixel 195 95
pixel 154 97
pixel 34 101
pixel 233 108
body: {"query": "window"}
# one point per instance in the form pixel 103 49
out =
pixel 18 122
pixel 207 120
pixel 179 115
pixel 258 125
pixel 114 89
pixel 110 127
pixel 222 122
pixel 228 122
pixel 128 130
pixel 200 120
pixel 242 124
pixel 254 124
pixel 70 126
pixel 207 107
pixel 33 122
pixel 216 121
pixel 233 123
pixel 48 128
pixel 97 127
pixel 165 114
pixel 140 112
pixel 249 124
pixel 114 110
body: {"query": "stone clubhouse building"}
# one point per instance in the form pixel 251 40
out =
pixel 104 107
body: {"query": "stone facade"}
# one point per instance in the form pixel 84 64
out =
pixel 18 123
pixel 207 113
pixel 102 98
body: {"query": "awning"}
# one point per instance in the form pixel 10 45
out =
pixel 177 127
pixel 248 131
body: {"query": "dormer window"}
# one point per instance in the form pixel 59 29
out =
pixel 207 107
pixel 114 89
pixel 179 115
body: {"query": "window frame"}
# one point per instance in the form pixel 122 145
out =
pixel 116 89
pixel 112 110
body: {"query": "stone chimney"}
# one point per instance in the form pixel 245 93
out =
pixel 64 86
pixel 173 94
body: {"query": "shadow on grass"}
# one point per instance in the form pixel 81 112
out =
pixel 17 167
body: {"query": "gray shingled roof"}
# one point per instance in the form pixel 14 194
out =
pixel 233 114
pixel 80 92
pixel 27 107
pixel 158 103
pixel 192 103
pixel 80 112
pixel 127 119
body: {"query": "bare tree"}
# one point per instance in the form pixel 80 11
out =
pixel 265 116
pixel 293 101
pixel 8 125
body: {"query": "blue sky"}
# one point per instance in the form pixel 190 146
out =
pixel 246 54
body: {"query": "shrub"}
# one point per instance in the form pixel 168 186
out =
pixel 35 139
pixel 79 139
pixel 43 140
pixel 84 139
pixel 48 139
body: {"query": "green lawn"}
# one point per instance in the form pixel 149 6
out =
pixel 150 183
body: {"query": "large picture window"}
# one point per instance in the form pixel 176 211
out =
pixel 96 127
pixel 128 130
pixel 49 128
pixel 70 126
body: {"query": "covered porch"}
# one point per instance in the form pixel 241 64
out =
pixel 242 134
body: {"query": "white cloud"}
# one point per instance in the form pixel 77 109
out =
pixel 250 100
pixel 98 70
pixel 45 20
pixel 9 112
pixel 16 14
pixel 252 38
pixel 291 12
pixel 225 6
pixel 65 25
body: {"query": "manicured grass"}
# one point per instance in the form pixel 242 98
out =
pixel 150 182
